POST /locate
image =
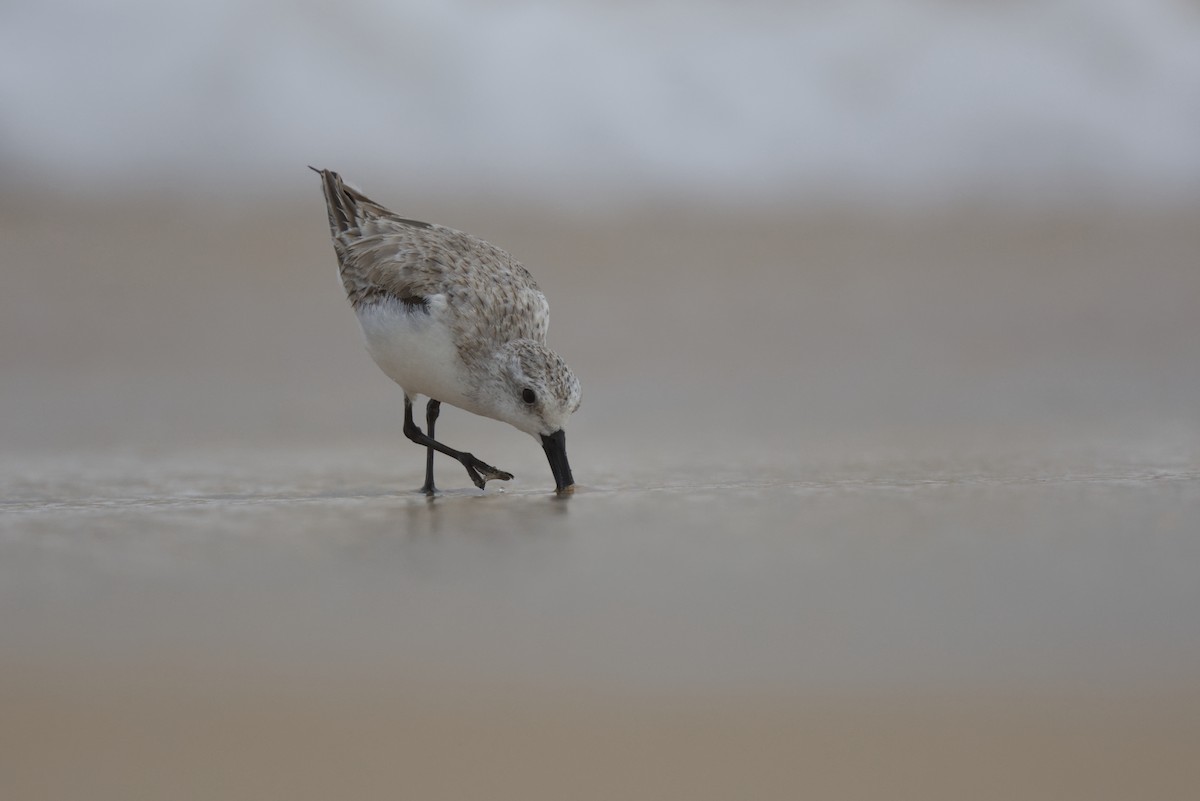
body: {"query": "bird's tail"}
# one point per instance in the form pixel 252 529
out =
pixel 348 208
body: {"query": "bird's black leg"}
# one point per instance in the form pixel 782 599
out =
pixel 480 472
pixel 432 409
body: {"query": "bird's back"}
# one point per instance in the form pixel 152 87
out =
pixel 487 296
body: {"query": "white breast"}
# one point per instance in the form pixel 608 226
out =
pixel 415 348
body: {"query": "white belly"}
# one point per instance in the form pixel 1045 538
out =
pixel 416 350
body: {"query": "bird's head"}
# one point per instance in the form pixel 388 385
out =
pixel 536 392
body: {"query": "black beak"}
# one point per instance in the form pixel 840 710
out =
pixel 555 446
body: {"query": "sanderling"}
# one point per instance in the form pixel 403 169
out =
pixel 450 317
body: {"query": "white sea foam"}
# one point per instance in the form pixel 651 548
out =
pixel 871 99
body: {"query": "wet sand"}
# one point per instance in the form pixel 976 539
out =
pixel 870 506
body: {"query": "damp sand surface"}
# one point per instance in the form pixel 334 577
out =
pixel 899 507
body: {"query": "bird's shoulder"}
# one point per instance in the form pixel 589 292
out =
pixel 487 289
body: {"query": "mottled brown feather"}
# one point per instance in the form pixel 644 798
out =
pixel 382 257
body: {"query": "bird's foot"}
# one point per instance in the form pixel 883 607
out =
pixel 482 472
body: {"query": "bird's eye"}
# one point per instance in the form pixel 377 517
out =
pixel 529 396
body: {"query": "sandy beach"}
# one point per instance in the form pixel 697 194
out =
pixel 871 506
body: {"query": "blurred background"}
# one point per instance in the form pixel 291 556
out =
pixel 870 101
pixel 885 314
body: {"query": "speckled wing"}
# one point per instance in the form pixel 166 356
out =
pixel 489 295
